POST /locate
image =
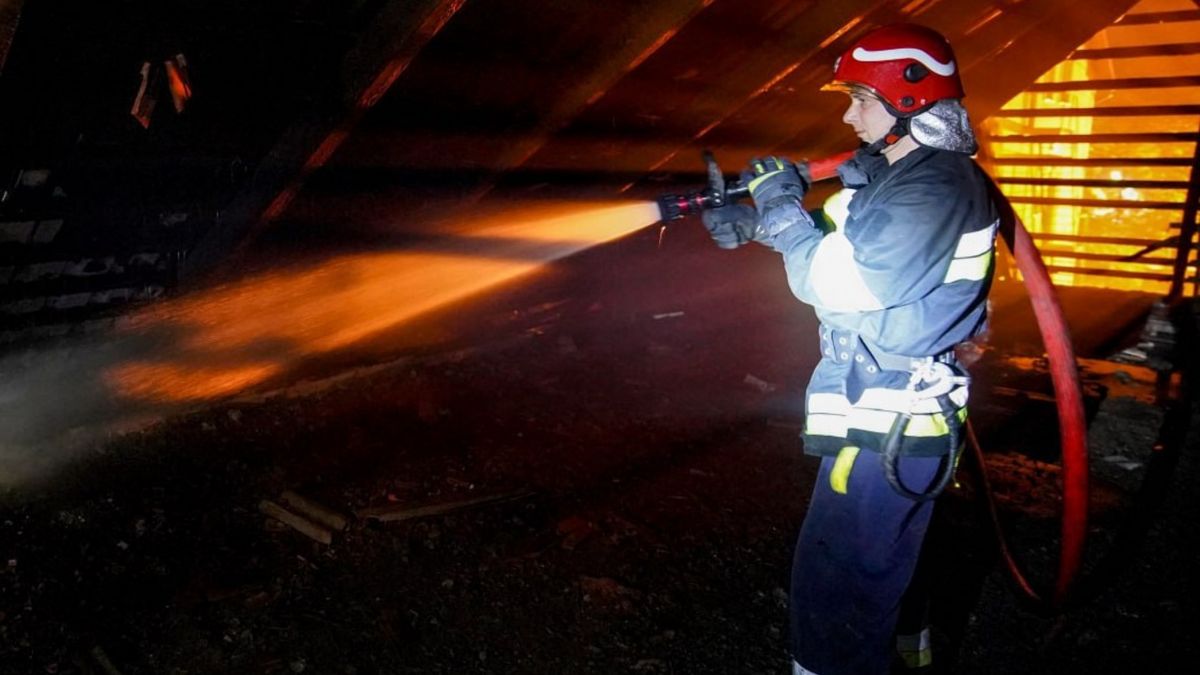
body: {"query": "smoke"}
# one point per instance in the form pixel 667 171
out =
pixel 55 405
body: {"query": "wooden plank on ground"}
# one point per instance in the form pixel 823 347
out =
pixel 314 531
pixel 389 513
pixel 318 513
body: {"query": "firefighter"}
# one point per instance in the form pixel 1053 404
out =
pixel 898 271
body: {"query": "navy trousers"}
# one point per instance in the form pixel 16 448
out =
pixel 855 557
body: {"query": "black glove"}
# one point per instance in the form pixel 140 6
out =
pixel 773 178
pixel 731 225
pixel 777 187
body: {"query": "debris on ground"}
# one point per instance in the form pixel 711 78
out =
pixel 627 506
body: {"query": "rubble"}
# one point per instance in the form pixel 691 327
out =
pixel 617 509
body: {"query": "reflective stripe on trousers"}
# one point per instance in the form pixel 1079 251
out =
pixel 915 650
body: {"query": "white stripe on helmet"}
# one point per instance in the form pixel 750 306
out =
pixel 922 57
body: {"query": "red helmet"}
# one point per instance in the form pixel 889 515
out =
pixel 909 67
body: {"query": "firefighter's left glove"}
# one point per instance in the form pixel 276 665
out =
pixel 777 187
pixel 731 225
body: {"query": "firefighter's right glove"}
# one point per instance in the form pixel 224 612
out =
pixel 731 225
pixel 777 187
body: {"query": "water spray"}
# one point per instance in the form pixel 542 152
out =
pixel 251 334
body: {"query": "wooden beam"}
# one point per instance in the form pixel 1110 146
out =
pixel 1139 51
pixel 1145 18
pixel 792 53
pixel 1187 228
pixel 397 33
pixel 644 33
pixel 318 513
pixel 1119 273
pixel 1110 111
pixel 1143 137
pixel 389 513
pixel 1084 183
pixel 1097 203
pixel 1028 41
pixel 10 17
pixel 316 532
pixel 1088 239
pixel 1118 83
pixel 1090 161
pixel 1110 257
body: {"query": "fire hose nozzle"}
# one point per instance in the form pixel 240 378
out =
pixel 718 193
pixel 721 191
pixel 676 206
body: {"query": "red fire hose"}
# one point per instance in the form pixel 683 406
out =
pixel 1068 395
pixel 821 169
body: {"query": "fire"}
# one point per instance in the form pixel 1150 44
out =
pixel 1097 226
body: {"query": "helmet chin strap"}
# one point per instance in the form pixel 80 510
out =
pixel 899 130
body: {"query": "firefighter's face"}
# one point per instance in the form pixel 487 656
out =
pixel 868 117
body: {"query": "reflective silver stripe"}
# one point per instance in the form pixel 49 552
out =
pixel 835 278
pixel 820 424
pixel 798 669
pixel 831 414
pixel 899 53
pixel 919 425
pixel 894 400
pixel 969 269
pixel 899 400
pixel 834 404
pixel 974 243
pixel 973 255
pixel 879 421
pixel 916 650
pixel 914 642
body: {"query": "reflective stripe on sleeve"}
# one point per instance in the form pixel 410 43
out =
pixel 973 256
pixel 969 269
pixel 837 207
pixel 975 243
pixel 835 278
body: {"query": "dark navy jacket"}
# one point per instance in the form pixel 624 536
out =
pixel 905 275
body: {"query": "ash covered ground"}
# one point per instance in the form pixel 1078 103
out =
pixel 610 453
